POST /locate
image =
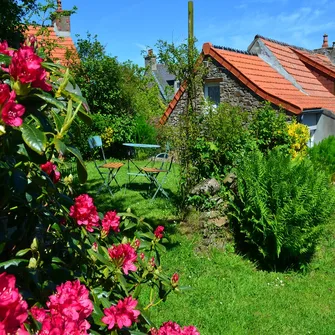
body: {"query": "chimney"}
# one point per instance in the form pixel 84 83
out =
pixel 61 21
pixel 325 41
pixel 150 60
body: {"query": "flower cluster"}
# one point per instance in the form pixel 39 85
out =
pixel 172 328
pixel 110 221
pixel 68 310
pixel 84 212
pixel 123 255
pixel 13 309
pixel 159 232
pixel 122 315
pixel 11 111
pixel 26 72
pixel 51 170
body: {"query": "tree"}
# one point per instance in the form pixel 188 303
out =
pixel 184 62
pixel 11 19
pixel 119 91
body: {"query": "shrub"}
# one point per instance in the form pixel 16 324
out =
pixel 269 129
pixel 280 208
pixel 323 155
pixel 299 137
pixel 113 130
pixel 64 267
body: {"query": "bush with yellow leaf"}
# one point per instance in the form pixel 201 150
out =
pixel 299 135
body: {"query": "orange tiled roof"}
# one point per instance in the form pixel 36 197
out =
pixel 63 43
pixel 268 83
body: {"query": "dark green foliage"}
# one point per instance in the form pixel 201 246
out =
pixel 323 155
pixel 269 128
pixel 123 131
pixel 280 208
pixel 11 19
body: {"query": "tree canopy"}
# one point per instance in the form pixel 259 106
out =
pixel 12 19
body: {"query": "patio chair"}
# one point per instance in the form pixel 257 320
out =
pixel 107 171
pixel 153 173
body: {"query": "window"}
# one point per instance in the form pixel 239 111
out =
pixel 212 92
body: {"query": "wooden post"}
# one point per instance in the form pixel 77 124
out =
pixel 190 21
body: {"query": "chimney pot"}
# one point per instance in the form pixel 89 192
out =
pixel 59 5
pixel 325 41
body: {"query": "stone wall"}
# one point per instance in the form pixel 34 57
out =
pixel 232 91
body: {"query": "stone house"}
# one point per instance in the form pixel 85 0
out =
pixel 166 82
pixel 59 34
pixel 300 81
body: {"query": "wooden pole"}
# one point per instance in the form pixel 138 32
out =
pixel 190 21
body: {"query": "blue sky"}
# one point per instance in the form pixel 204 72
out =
pixel 126 27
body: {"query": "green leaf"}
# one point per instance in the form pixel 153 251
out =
pixel 99 257
pixel 58 119
pixel 34 138
pixel 81 168
pixel 123 283
pixel 56 260
pixel 22 252
pixel 50 100
pixel 4 59
pixel 145 316
pixel 14 262
pixel 60 146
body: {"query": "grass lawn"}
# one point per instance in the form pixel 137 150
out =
pixel 228 294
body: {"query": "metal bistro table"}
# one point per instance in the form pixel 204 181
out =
pixel 131 148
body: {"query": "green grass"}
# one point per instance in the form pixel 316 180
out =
pixel 228 295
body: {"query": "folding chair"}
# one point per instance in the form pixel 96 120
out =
pixel 152 174
pixel 113 168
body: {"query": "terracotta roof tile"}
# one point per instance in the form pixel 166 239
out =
pixel 63 43
pixel 268 83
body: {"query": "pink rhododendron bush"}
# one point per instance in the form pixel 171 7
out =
pixel 65 268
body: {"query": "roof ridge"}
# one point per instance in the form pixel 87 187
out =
pixel 235 50
pixel 284 44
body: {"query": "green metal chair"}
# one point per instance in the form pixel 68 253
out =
pixel 153 173
pixel 107 171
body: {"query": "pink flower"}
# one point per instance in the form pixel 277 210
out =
pixel 142 256
pixel 51 170
pixel 111 221
pixel 175 278
pixel 13 309
pixel 71 300
pixel 169 328
pixel 4 93
pixel 123 255
pixel 38 313
pixel 159 232
pixel 11 111
pixel 4 49
pixel 84 212
pixel 26 67
pixel 190 330
pixel 172 328
pixel 123 314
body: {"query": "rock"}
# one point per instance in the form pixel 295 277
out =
pixel 221 221
pixel 210 186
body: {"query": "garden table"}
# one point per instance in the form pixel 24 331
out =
pixel 138 170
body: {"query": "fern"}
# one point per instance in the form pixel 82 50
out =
pixel 280 207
